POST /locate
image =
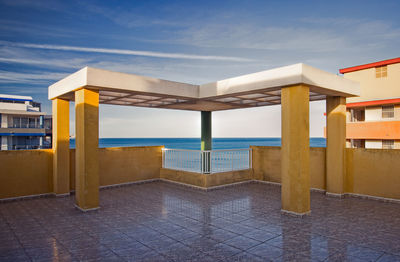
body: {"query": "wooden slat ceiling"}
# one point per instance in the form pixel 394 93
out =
pixel 233 101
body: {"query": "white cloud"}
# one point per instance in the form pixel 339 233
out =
pixel 30 78
pixel 128 52
pixel 61 63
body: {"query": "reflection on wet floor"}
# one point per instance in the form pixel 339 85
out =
pixel 160 221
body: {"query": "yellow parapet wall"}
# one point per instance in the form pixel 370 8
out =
pixel 206 180
pixel 128 164
pixel 373 172
pixel 369 172
pixel 267 165
pixel 30 172
pixel 190 178
pixel 118 165
pixel 26 173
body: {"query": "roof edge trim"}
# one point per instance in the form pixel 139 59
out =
pixel 370 65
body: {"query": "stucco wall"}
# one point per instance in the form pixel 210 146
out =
pixel 267 165
pixel 191 178
pixel 374 172
pixel 373 113
pixel 373 144
pixel 25 172
pixel 373 88
pixel 129 164
pixel 206 180
pixel 124 164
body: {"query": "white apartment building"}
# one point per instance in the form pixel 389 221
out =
pixel 21 123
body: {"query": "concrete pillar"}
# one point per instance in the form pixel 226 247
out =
pixel 61 183
pixel 295 154
pixel 335 144
pixel 87 141
pixel 206 138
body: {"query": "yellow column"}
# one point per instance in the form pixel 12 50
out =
pixel 87 139
pixel 295 155
pixel 61 182
pixel 335 144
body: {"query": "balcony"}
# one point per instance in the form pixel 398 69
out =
pixel 373 130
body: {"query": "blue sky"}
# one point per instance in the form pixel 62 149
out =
pixel 189 41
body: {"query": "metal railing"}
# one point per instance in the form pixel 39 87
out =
pixel 207 162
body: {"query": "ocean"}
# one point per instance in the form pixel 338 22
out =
pixel 194 143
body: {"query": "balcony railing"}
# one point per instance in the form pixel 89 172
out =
pixel 26 147
pixel 207 162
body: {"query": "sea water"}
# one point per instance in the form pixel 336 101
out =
pixel 194 143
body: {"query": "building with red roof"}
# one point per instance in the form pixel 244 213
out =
pixel 373 119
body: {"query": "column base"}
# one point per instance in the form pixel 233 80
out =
pixel 295 214
pixel 335 195
pixel 88 209
pixel 62 195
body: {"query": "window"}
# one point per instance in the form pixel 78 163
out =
pixel 21 122
pixel 11 101
pixel 388 111
pixel 34 122
pixel 387 144
pixel 16 123
pixel 357 115
pixel 381 71
pixel 357 143
pixel 24 122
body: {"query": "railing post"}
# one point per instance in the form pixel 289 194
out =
pixel 162 158
pixel 201 162
pixel 210 165
pixel 232 153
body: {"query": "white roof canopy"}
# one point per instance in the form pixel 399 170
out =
pixel 252 90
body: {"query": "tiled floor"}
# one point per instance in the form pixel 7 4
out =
pixel 165 222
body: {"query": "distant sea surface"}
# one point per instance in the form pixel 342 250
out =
pixel 194 143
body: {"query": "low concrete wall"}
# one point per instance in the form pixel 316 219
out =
pixel 225 178
pixel 119 165
pixel 373 172
pixel 26 172
pixel 190 178
pixel 267 165
pixel 206 180
pixel 370 172
pixel 129 164
pixel 30 172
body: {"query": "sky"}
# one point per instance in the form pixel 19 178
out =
pixel 188 41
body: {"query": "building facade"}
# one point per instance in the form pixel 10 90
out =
pixel 22 123
pixel 373 119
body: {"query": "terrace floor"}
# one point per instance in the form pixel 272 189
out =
pixel 160 221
